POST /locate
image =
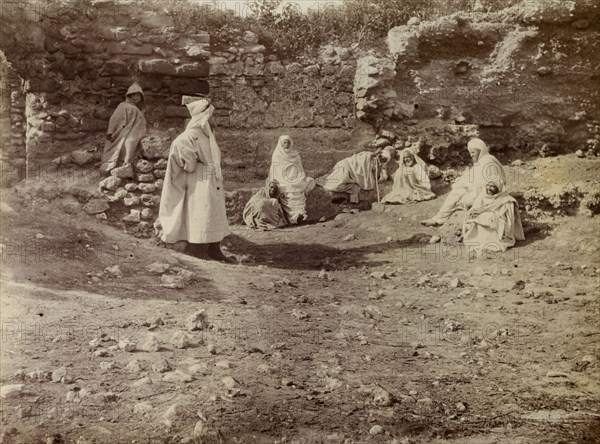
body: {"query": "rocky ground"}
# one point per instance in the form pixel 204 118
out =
pixel 355 329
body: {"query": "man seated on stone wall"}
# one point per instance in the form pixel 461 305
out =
pixel 126 128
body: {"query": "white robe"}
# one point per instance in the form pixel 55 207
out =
pixel 192 206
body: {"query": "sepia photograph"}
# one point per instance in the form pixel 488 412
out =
pixel 300 221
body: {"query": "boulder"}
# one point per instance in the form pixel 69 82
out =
pixel 96 206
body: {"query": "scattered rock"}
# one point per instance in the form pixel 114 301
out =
pixel 134 366
pixel 96 206
pixel 323 274
pixel 379 275
pixel 134 216
pixel 141 382
pixel 579 153
pixel 181 340
pixel 152 344
pixel 143 408
pixel 172 281
pixel 59 375
pixel 456 283
pixel 350 237
pixel 177 377
pixel 199 428
pixel 161 366
pixel 12 391
pixel 153 323
pixel 122 172
pixel 381 397
pixel 107 365
pixel 435 239
pixel 111 183
pixel 460 407
pixel 127 345
pixel 376 430
pixel 229 382
pixel 299 314
pixel 114 271
pixel 197 321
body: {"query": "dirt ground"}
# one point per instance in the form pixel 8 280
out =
pixel 351 330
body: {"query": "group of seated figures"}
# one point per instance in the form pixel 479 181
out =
pixel 192 204
pixel 492 220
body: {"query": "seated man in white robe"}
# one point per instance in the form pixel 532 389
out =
pixel 493 223
pixel 486 168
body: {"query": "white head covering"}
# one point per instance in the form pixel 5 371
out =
pixel 419 169
pixel 201 110
pixel 480 145
pixel 286 167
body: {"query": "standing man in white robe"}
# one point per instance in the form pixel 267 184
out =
pixel 192 205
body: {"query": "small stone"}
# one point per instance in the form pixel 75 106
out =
pixel 579 153
pixel 141 382
pixel 152 344
pixel 122 172
pixel 181 340
pixel 381 397
pixel 101 216
pixel 153 322
pixel 146 177
pixel 461 407
pixel 107 365
pixel 127 345
pixel 147 187
pixel 11 391
pixel 350 237
pixel 544 70
pixel 131 200
pixel 212 349
pixel 376 430
pixel 172 281
pixel 134 366
pixel 229 382
pixel 59 374
pixel 142 408
pixel 96 206
pixel 133 216
pixel 130 187
pixel 299 314
pixel 224 364
pixel 157 268
pixel 177 377
pixel 197 321
pixel 114 271
pixel 199 428
pixel 81 157
pixel 161 164
pixel 111 183
pixel 435 239
pixel 379 275
pixel 323 274
pixel 143 166
pixel 161 366
pixel 456 283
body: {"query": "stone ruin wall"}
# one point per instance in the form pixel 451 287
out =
pixel 77 65
pixel 521 78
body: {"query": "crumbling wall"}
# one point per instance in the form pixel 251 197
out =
pixel 521 78
pixel 79 59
